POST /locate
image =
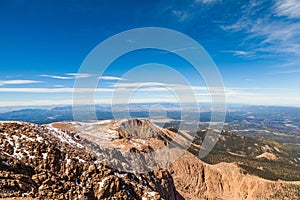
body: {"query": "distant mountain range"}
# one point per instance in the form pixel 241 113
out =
pixel 235 113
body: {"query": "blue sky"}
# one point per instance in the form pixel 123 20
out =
pixel 255 44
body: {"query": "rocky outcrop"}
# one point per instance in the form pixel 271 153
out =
pixel 41 161
pixel 195 179
pixel 142 129
pixel 74 160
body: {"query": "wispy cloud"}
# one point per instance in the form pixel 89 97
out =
pixel 54 90
pixel 288 8
pixel 60 86
pixel 288 71
pixel 239 53
pixel 67 76
pixel 79 75
pixel 265 34
pixel 202 94
pixel 206 1
pixel 56 77
pixel 17 82
pixel 138 84
pixel 111 78
pixel 181 15
pixel 129 86
pixel 181 89
pixel 190 10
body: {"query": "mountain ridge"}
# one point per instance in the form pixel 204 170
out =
pixel 56 164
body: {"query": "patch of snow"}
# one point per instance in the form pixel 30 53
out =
pixel 62 136
pixel 120 175
pixel 16 138
pixel 17 122
pixel 68 161
pixel 101 183
pixel 28 154
pixel 44 156
pixel 80 160
pixel 152 194
pixel 17 155
pixel 26 138
pixel 143 141
pixel 10 142
pixel 39 138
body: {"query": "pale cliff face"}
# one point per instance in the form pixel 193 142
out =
pixel 195 179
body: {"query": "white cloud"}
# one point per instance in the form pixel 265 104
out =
pixel 206 1
pixel 79 75
pixel 288 8
pixel 111 78
pixel 68 76
pixel 181 15
pixel 139 84
pixel 58 86
pixel 190 10
pixel 236 52
pixel 265 35
pixel 56 77
pixel 288 71
pixel 35 103
pixel 260 100
pixel 266 96
pixel 17 82
pixel 126 87
pixel 239 53
pixel 54 90
pixel 184 49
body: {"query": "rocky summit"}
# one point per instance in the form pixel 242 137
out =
pixel 75 160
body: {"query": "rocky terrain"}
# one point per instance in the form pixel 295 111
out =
pixel 195 179
pixel 73 160
pixel 40 161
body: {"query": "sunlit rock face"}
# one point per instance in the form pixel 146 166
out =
pixel 74 160
pixel 50 163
